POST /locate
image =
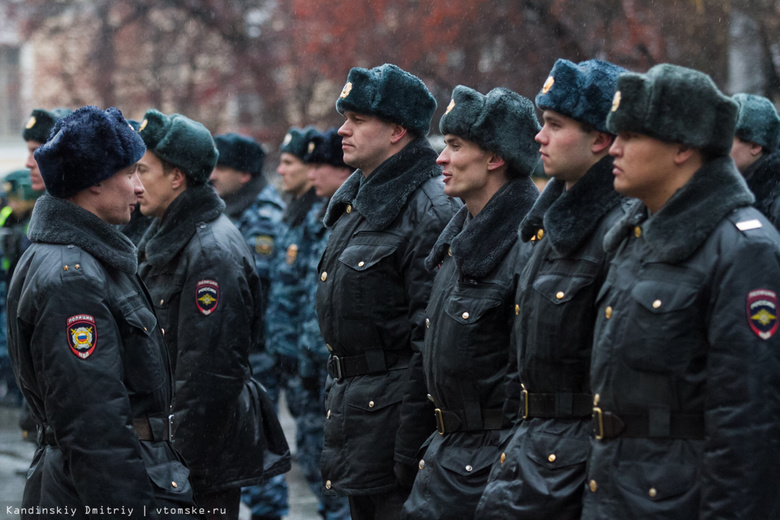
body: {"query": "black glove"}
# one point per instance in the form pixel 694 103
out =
pixel 405 474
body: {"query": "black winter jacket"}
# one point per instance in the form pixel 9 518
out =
pixel 90 358
pixel 763 179
pixel 686 359
pixel 206 291
pixel 371 307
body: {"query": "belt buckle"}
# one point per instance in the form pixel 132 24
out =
pixel 335 364
pixel 439 421
pixel 170 428
pixel 598 423
pixel 524 395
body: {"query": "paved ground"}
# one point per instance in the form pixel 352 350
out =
pixel 15 456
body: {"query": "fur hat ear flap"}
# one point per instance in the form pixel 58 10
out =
pixel 758 121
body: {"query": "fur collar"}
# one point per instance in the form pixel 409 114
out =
pixel 689 216
pixel 484 242
pixel 298 208
pixel 237 203
pixel 165 238
pixel 58 221
pixel 763 179
pixel 570 217
pixel 382 196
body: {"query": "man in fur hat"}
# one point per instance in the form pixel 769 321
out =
pixel 87 349
pixel 686 354
pixel 373 290
pixel 555 300
pixel 203 281
pixel 36 132
pixel 489 156
pixel 754 151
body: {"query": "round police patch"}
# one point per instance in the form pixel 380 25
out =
pixel 762 312
pixel 264 245
pixel 82 335
pixel 207 296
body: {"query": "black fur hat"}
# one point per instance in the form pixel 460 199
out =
pixel 240 152
pixel 502 122
pixel 41 122
pixel 85 148
pixel 758 121
pixel 296 141
pixel 390 93
pixel 325 148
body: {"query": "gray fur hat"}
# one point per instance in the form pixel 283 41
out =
pixel 674 104
pixel 502 122
pixel 758 121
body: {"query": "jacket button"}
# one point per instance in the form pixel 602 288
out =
pixel 324 276
pixel 503 457
pixel 327 416
pixel 637 231
pixel 328 484
pixel 65 268
pixel 469 468
pixel 551 457
pixel 146 330
pixel 430 398
pixel 560 295
pixel 427 323
pixel 656 304
pixel 330 349
pixel 465 315
pixel 652 492
pixel 449 251
pixel 78 266
pixel 349 208
pixel 593 486
pixel 361 263
pixel 608 312
pixel 540 234
pixel 371 404
pixel 596 399
pixel 162 330
pixel 174 484
pixel 517 309
pixel 162 301
pixel 421 465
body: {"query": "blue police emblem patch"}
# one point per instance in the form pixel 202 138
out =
pixel 762 312
pixel 207 296
pixel 82 335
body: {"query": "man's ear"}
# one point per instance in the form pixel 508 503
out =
pixel 602 142
pixel 494 162
pixel 398 133
pixel 684 153
pixel 178 179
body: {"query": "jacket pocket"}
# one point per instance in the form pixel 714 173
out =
pixel 370 283
pixel 171 484
pixel 653 490
pixel 143 351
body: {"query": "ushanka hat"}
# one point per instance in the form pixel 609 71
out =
pixel 240 152
pixel 40 123
pixel 17 185
pixel 389 93
pixel 184 143
pixel 674 104
pixel 757 121
pixel 296 141
pixel 502 122
pixel 85 148
pixel 325 148
pixel 582 91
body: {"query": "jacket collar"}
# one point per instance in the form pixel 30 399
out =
pixel 238 202
pixel 382 196
pixel 689 216
pixel 570 217
pixel 58 221
pixel 763 179
pixel 484 242
pixel 298 208
pixel 169 235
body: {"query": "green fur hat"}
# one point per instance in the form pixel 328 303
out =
pixel 674 104
pixel 296 142
pixel 502 122
pixel 179 140
pixel 240 152
pixel 758 121
pixel 41 122
pixel 582 92
pixel 390 93
pixel 325 148
pixel 18 185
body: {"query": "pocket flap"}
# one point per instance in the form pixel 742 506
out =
pixel 468 461
pixel 658 297
pixel 554 451
pixel 143 319
pixel 172 476
pixel 362 257
pixel 561 289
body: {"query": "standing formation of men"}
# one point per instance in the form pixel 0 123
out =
pixel 450 342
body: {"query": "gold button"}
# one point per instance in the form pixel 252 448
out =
pixel 551 457
pixel 421 465
pixel 503 458
pixel 637 231
pixel 427 323
pixel 652 493
pixel 330 349
pixel 327 416
pixel 517 309
pixel 449 251
pixel 78 266
pixel 560 295
pixel 430 398
pixel 162 330
pixel 593 486
pixel 361 263
pixel 465 315
pixel 656 304
pixel 608 312
pixel 371 404
pixel 328 484
pixel 596 399
pixel 469 468
pixel 324 276
pixel 162 301
pixel 349 208
pixel 540 234
pixel 146 330
pixel 174 484
pixel 65 268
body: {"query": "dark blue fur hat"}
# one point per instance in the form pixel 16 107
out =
pixel 240 152
pixel 502 122
pixel 582 92
pixel 85 148
pixel 296 142
pixel 325 148
pixel 758 121
pixel 41 122
pixel 390 93
pixel 675 104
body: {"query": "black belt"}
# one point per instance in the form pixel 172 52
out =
pixel 146 429
pixel 448 421
pixel 607 425
pixel 562 405
pixel 374 361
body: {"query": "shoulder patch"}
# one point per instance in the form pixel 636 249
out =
pixel 264 245
pixel 82 335
pixel 748 224
pixel 207 296
pixel 762 312
pixel 292 253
